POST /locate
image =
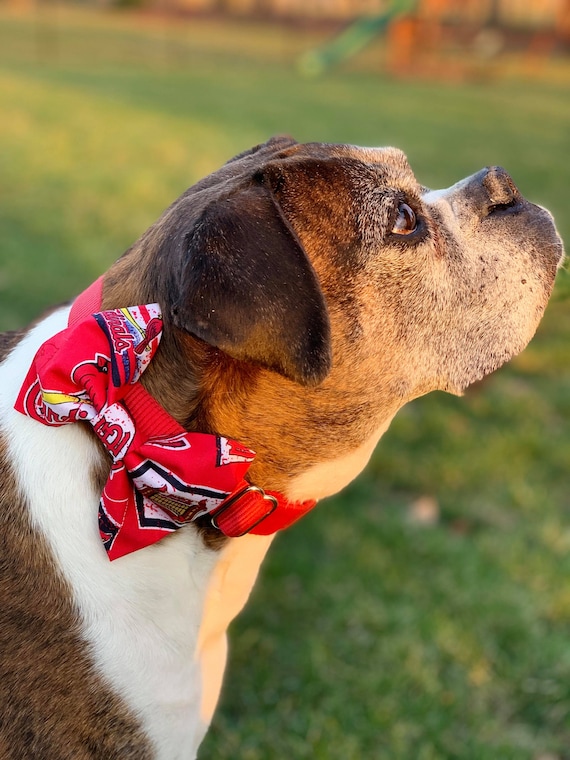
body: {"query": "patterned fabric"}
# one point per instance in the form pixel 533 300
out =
pixel 162 477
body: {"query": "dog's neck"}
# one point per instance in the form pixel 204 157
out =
pixel 287 425
pixel 207 391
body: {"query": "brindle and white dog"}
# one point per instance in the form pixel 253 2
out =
pixel 308 292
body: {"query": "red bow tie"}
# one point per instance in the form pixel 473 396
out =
pixel 162 477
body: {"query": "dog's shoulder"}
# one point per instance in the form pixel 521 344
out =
pixel 53 701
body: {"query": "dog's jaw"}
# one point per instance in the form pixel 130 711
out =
pixel 508 252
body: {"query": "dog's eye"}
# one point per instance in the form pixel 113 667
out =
pixel 406 221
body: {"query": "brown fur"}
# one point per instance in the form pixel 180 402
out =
pixel 44 667
pixel 8 341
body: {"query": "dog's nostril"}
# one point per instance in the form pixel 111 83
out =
pixel 494 207
pixel 502 193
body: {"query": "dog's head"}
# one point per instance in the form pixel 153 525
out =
pixel 311 290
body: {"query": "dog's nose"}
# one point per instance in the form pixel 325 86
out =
pixel 500 187
pixel 492 190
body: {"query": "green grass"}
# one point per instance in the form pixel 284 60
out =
pixel 369 635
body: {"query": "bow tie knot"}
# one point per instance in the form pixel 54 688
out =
pixel 161 476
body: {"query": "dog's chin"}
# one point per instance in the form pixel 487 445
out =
pixel 458 384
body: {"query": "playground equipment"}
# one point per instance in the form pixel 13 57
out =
pixel 353 39
pixel 420 34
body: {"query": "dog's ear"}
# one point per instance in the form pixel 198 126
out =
pixel 249 289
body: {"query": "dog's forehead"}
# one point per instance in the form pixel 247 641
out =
pixel 388 156
pixel 388 164
pixel 391 164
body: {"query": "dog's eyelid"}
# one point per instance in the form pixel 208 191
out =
pixel 406 195
pixel 402 198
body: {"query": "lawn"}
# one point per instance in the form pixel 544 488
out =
pixel 372 633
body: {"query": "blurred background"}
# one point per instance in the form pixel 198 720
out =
pixel 424 613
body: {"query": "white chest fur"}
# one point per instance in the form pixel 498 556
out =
pixel 142 615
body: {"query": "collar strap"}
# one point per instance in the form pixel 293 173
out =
pixel 247 508
pixel 162 477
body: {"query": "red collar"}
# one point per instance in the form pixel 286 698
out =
pixel 162 477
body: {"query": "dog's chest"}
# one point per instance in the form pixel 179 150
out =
pixel 141 616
